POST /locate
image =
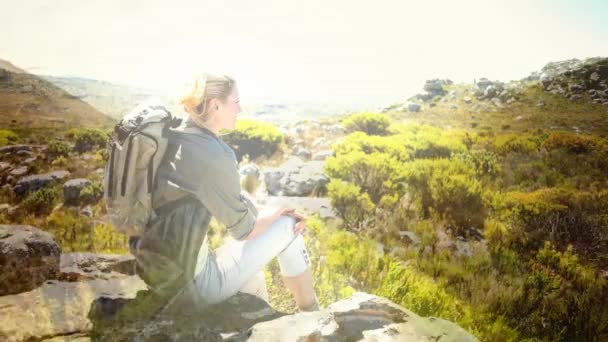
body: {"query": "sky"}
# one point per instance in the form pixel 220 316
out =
pixel 327 51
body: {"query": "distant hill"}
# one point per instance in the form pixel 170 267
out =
pixel 29 101
pixel 109 98
pixel 6 65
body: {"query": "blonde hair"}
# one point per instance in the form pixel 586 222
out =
pixel 204 88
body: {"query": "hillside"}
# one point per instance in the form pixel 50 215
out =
pixel 569 95
pixel 29 101
pixel 109 98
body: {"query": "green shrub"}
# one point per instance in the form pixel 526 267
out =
pixel 92 193
pixel 7 137
pixel 448 187
pixel 509 143
pixel 353 206
pixel 78 233
pixel 58 148
pixel 565 300
pixel 426 141
pixel 562 216
pixel 571 142
pixel 483 162
pixel 370 123
pixel 377 174
pixel 41 202
pixel 254 139
pixel 368 144
pixel 86 139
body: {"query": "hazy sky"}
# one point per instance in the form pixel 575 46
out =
pixel 368 52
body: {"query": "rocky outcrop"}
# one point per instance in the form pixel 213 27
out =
pixel 60 308
pixel 34 182
pixel 295 178
pixel 72 189
pixel 98 297
pixel 433 88
pixel 28 257
pixel 577 79
pixel 362 317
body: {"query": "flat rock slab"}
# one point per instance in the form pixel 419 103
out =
pixel 60 308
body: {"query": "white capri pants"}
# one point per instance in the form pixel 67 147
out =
pixel 237 265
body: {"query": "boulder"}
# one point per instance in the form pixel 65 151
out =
pixel 413 107
pixel 72 189
pixel 4 166
pixel 19 171
pixel 301 152
pixel 15 148
pixel 35 182
pixel 322 155
pixel 62 308
pixel 28 257
pixel 295 178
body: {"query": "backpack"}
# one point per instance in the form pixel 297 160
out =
pixel 135 151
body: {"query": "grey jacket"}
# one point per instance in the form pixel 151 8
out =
pixel 198 179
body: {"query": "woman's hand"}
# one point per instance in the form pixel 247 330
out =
pixel 300 226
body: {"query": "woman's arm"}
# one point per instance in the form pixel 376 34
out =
pixel 262 223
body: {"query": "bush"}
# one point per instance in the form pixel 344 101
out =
pixel 571 142
pixel 87 139
pixel 92 193
pixel 368 144
pixel 254 139
pixel 566 300
pixel 370 123
pixel 40 202
pixel 351 204
pixel 484 163
pixel 77 233
pixel 7 137
pixel 508 143
pixel 426 141
pixel 377 174
pixel 58 148
pixel 449 188
pixel 562 216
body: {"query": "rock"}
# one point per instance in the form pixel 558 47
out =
pixel 545 80
pixel 19 171
pixel 453 107
pixel 15 148
pixel 72 189
pixel 483 83
pixel 4 208
pixel 467 100
pixel 35 182
pixel 301 152
pixel 594 77
pixel 4 166
pixel 30 160
pixel 87 211
pixel 540 104
pixel 62 308
pixel 322 155
pixel 304 326
pixel 24 153
pixel 413 107
pixel 434 87
pixel 28 257
pixel 89 266
pixel 490 91
pixel 295 178
pixel 335 129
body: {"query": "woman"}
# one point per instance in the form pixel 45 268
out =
pixel 199 179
